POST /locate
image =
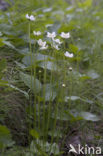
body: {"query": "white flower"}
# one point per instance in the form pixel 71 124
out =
pixel 63 85
pixel 65 35
pixel 57 41
pixel 56 47
pixel 37 33
pixel 31 17
pixel 70 69
pixel 40 71
pixel 44 47
pixel 42 44
pixel 67 54
pixel 27 16
pixel 51 35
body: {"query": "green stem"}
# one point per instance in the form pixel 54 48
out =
pixel 30 107
pixel 44 102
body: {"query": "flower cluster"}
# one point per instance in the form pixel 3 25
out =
pixel 56 42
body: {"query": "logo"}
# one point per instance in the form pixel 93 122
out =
pixel 72 149
pixel 84 150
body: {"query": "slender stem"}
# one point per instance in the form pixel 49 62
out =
pixel 35 101
pixel 30 48
pixel 39 108
pixel 44 102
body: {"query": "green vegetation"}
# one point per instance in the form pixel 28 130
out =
pixel 51 87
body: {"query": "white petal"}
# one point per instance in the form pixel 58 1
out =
pixel 65 35
pixel 27 16
pixel 51 35
pixel 41 43
pixel 56 47
pixel 57 41
pixel 44 47
pixel 34 32
pixel 67 54
pixel 32 18
pixel 44 44
pixel 37 33
pixel 54 34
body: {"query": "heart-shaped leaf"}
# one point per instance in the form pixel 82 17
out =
pixel 28 60
pixel 33 83
pixel 50 93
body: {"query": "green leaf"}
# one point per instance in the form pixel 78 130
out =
pixel 1 42
pixel 84 77
pixel 9 44
pixel 33 83
pixel 67 27
pixel 50 93
pixel 3 64
pixel 55 134
pixel 28 60
pixel 22 66
pixel 34 134
pixel 61 116
pixel 48 65
pixel 86 3
pixel 3 83
pixel 40 150
pixel 92 74
pixel 36 148
pixel 73 98
pixel 21 91
pixel 41 147
pixel 5 136
pixel 73 116
pixel 73 48
pixel 55 149
pixel 89 116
